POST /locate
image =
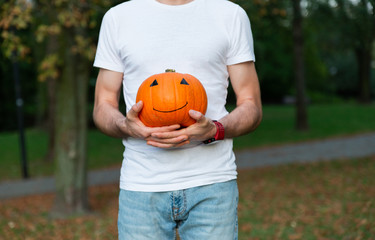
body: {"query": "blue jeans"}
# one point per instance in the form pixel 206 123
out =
pixel 205 212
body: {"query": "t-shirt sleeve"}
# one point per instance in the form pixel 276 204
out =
pixel 241 39
pixel 107 54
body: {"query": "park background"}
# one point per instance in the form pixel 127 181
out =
pixel 315 61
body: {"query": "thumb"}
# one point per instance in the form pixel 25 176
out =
pixel 198 116
pixel 136 108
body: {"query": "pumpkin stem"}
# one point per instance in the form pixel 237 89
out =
pixel 170 70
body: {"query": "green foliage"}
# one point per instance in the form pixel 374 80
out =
pixel 15 46
pixel 345 34
pixel 270 21
pixel 56 18
pixel 331 30
pixel 317 72
pixel 25 28
pixel 15 16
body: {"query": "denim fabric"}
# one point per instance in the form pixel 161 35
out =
pixel 205 212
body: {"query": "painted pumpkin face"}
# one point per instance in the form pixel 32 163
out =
pixel 168 97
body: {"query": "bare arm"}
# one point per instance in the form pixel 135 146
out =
pixel 107 116
pixel 107 93
pixel 247 115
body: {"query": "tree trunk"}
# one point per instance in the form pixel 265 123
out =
pixel 71 128
pixel 41 106
pixel 299 68
pixel 52 48
pixel 82 73
pixel 364 68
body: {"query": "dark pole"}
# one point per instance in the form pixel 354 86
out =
pixel 19 104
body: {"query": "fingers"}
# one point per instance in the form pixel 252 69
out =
pixel 162 145
pixel 165 128
pixel 168 139
pixel 195 132
pixel 168 143
pixel 168 134
pixel 133 126
pixel 143 132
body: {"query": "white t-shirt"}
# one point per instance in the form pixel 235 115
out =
pixel 143 37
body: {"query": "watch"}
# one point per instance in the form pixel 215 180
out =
pixel 219 133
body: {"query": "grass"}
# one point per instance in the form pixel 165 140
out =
pixel 325 200
pixel 277 127
pixel 104 152
pixel 325 121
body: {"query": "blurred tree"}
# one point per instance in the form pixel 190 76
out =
pixel 349 25
pixel 361 20
pixel 278 32
pixel 66 33
pixel 299 67
pixel 14 46
pixel 273 45
pixel 70 34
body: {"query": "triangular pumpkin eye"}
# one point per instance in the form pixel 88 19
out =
pixel 183 81
pixel 154 83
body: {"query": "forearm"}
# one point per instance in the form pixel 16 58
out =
pixel 107 118
pixel 244 119
pixel 247 115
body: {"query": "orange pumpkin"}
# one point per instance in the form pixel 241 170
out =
pixel 168 97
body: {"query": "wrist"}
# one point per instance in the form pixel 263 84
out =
pixel 121 127
pixel 219 135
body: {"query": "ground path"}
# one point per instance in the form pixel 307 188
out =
pixel 357 146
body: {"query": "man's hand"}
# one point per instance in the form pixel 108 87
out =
pixel 132 126
pixel 203 129
pixel 107 116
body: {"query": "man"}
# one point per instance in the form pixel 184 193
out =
pixel 169 178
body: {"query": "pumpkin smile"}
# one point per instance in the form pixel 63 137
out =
pixel 170 110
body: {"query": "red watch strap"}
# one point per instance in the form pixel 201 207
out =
pixel 219 133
